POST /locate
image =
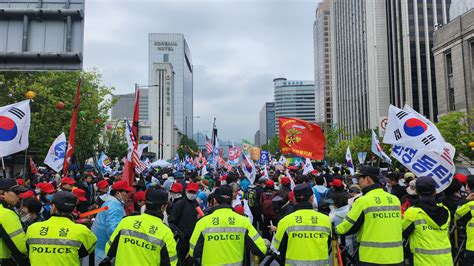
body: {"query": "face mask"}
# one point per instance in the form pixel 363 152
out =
pixel 26 217
pixel 49 197
pixel 191 196
pixel 37 191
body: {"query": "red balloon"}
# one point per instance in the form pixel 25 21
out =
pixel 59 105
pixel 109 126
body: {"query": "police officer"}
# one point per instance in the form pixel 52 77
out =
pixel 426 225
pixel 58 240
pixel 219 238
pixel 12 236
pixel 144 239
pixel 303 236
pixel 376 218
pixel 465 214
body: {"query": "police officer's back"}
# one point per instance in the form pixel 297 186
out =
pixel 220 237
pixel 144 239
pixel 465 213
pixel 58 240
pixel 12 236
pixel 303 236
pixel 377 220
pixel 426 225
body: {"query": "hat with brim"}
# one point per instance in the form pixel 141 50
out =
pixel 80 194
pixel 122 186
pixel 10 184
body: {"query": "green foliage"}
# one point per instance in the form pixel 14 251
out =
pixel 187 146
pixel 114 143
pixel 273 146
pixel 47 122
pixel 454 127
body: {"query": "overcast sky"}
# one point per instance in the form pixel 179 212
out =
pixel 237 47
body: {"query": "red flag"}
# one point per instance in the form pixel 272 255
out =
pixel 135 116
pixel 33 168
pixel 72 132
pixel 127 171
pixel 301 138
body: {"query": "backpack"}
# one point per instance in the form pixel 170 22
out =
pixel 267 205
pixel 251 196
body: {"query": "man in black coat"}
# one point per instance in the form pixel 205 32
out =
pixel 183 215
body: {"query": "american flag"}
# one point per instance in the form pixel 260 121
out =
pixel 208 145
pixel 139 165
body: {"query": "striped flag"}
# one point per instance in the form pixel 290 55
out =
pixel 139 165
pixel 208 145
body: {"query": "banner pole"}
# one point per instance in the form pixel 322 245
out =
pixel 3 169
pixel 24 165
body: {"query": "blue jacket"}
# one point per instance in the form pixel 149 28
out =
pixel 105 224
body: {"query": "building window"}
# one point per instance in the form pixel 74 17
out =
pixel 450 83
pixel 166 58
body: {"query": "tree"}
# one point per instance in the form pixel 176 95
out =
pixel 187 146
pixel 114 144
pixel 454 127
pixel 48 120
pixel 273 146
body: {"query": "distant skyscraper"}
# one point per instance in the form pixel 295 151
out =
pixel 256 138
pixel 359 64
pixel 411 24
pixel 293 98
pixel 267 122
pixel 123 108
pixel 322 64
pixel 162 111
pixel 173 48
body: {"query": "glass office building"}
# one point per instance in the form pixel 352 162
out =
pixel 293 98
pixel 173 48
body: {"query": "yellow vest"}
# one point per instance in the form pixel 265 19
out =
pixel 222 235
pixel 307 232
pixel 58 241
pixel 140 240
pixel 429 242
pixel 460 212
pixel 380 237
pixel 10 222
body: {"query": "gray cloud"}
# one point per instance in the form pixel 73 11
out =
pixel 237 47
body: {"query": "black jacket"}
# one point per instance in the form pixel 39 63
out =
pixel 184 215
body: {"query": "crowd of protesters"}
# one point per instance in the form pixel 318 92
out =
pixel 264 202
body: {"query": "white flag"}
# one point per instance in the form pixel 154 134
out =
pixel 282 160
pixel 410 129
pixel 14 127
pixel 439 166
pixel 248 168
pixel 56 153
pixel 350 164
pixel 377 149
pixel 308 167
pixel 128 136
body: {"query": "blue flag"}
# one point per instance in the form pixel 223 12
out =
pixel 264 157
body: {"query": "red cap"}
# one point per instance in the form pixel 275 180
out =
pixel 461 178
pixel 102 183
pixel 139 196
pixel 47 188
pixel 239 209
pixel 336 183
pixel 27 194
pixel 315 172
pixel 122 185
pixel 192 187
pixel 176 188
pixel 68 180
pixel 285 181
pixel 80 194
pixel 270 183
pixel 20 181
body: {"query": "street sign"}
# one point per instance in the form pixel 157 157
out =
pixel 383 123
pixel 148 138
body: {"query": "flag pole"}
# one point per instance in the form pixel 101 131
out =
pixel 24 165
pixel 3 168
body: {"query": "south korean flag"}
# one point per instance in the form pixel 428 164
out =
pixel 14 127
pixel 410 129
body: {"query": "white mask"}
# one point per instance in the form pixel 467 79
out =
pixel 191 196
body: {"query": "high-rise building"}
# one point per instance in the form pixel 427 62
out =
pixel 411 24
pixel 267 122
pixel 359 64
pixel 124 106
pixel 322 64
pixel 293 98
pixel 453 50
pixel 256 138
pixel 173 48
pixel 162 112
